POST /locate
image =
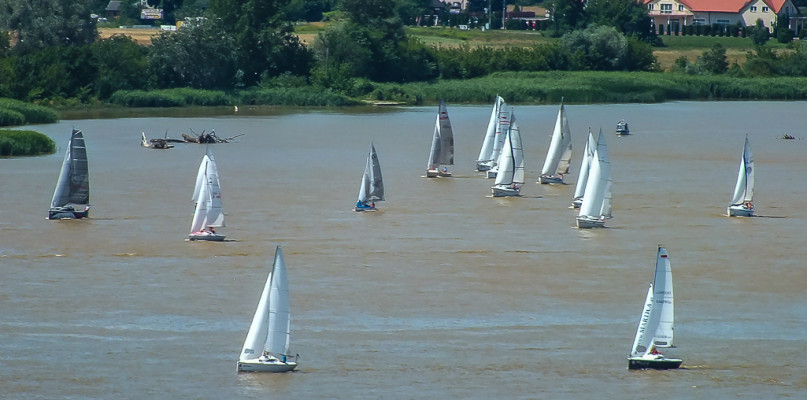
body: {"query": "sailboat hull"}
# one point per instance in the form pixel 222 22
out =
pixel 505 191
pixel 576 203
pixel 67 213
pixel 662 363
pixel 209 237
pixel 266 366
pixel 492 174
pixel 548 179
pixel 432 173
pixel 588 223
pixel 483 166
pixel 740 211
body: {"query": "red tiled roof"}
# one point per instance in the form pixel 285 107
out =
pixel 728 6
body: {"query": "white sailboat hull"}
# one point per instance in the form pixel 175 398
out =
pixel 206 236
pixel 432 173
pixel 272 365
pixel 588 223
pixel 492 174
pixel 549 179
pixel 505 191
pixel 483 166
pixel 740 211
pixel 577 202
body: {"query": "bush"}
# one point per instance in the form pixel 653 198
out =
pixel 25 143
pixel 32 113
pixel 300 96
pixel 11 117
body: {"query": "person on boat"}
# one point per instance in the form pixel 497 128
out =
pixel 445 169
pixel 749 205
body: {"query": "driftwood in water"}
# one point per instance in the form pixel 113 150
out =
pixel 206 138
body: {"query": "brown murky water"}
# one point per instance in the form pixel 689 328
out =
pixel 446 293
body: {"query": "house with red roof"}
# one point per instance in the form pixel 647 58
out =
pixel 679 13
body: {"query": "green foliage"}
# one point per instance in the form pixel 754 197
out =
pixel 11 118
pixel 121 63
pixel 596 48
pixel 627 16
pixel 713 61
pixel 263 41
pixel 54 72
pixel 32 113
pixel 200 56
pixel 567 15
pixel 595 87
pixel 46 23
pixel 760 34
pixel 171 98
pixel 24 143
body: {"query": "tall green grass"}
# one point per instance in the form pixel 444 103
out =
pixel 593 87
pixel 25 143
pixel 11 110
pixel 171 98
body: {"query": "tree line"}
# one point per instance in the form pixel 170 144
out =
pixel 51 52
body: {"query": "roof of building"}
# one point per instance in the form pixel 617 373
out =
pixel 113 6
pixel 728 6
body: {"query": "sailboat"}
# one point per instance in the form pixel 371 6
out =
pixel 207 195
pixel 656 323
pixel 485 160
pixel 266 348
pixel 596 205
pixel 622 128
pixel 442 151
pixel 372 184
pixel 742 203
pixel 502 128
pixel 585 166
pixel 510 177
pixel 559 155
pixel 71 198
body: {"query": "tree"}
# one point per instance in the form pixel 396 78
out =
pixel 760 35
pixel 627 16
pixel 266 43
pixel 713 61
pixel 597 48
pixel 567 15
pixel 43 23
pixel 201 56
pixel 121 64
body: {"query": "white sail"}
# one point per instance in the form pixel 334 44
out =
pixel 486 153
pixel 271 324
pixel 662 318
pixel 559 155
pixel 598 185
pixel 744 189
pixel 442 151
pixel 73 186
pixel 585 165
pixel 502 129
pixel 208 212
pixel 657 320
pixel 511 168
pixel 372 184
pixel 642 340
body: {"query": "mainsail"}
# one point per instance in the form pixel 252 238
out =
pixel 73 186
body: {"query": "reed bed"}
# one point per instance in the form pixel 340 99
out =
pixel 593 87
pixel 25 143
pixel 11 110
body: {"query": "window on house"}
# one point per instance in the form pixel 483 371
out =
pixel 765 9
pixel 650 6
pixel 699 21
pixel 666 8
pixel 723 21
pixel 753 8
pixel 680 8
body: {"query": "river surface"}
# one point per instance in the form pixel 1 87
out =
pixel 446 293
